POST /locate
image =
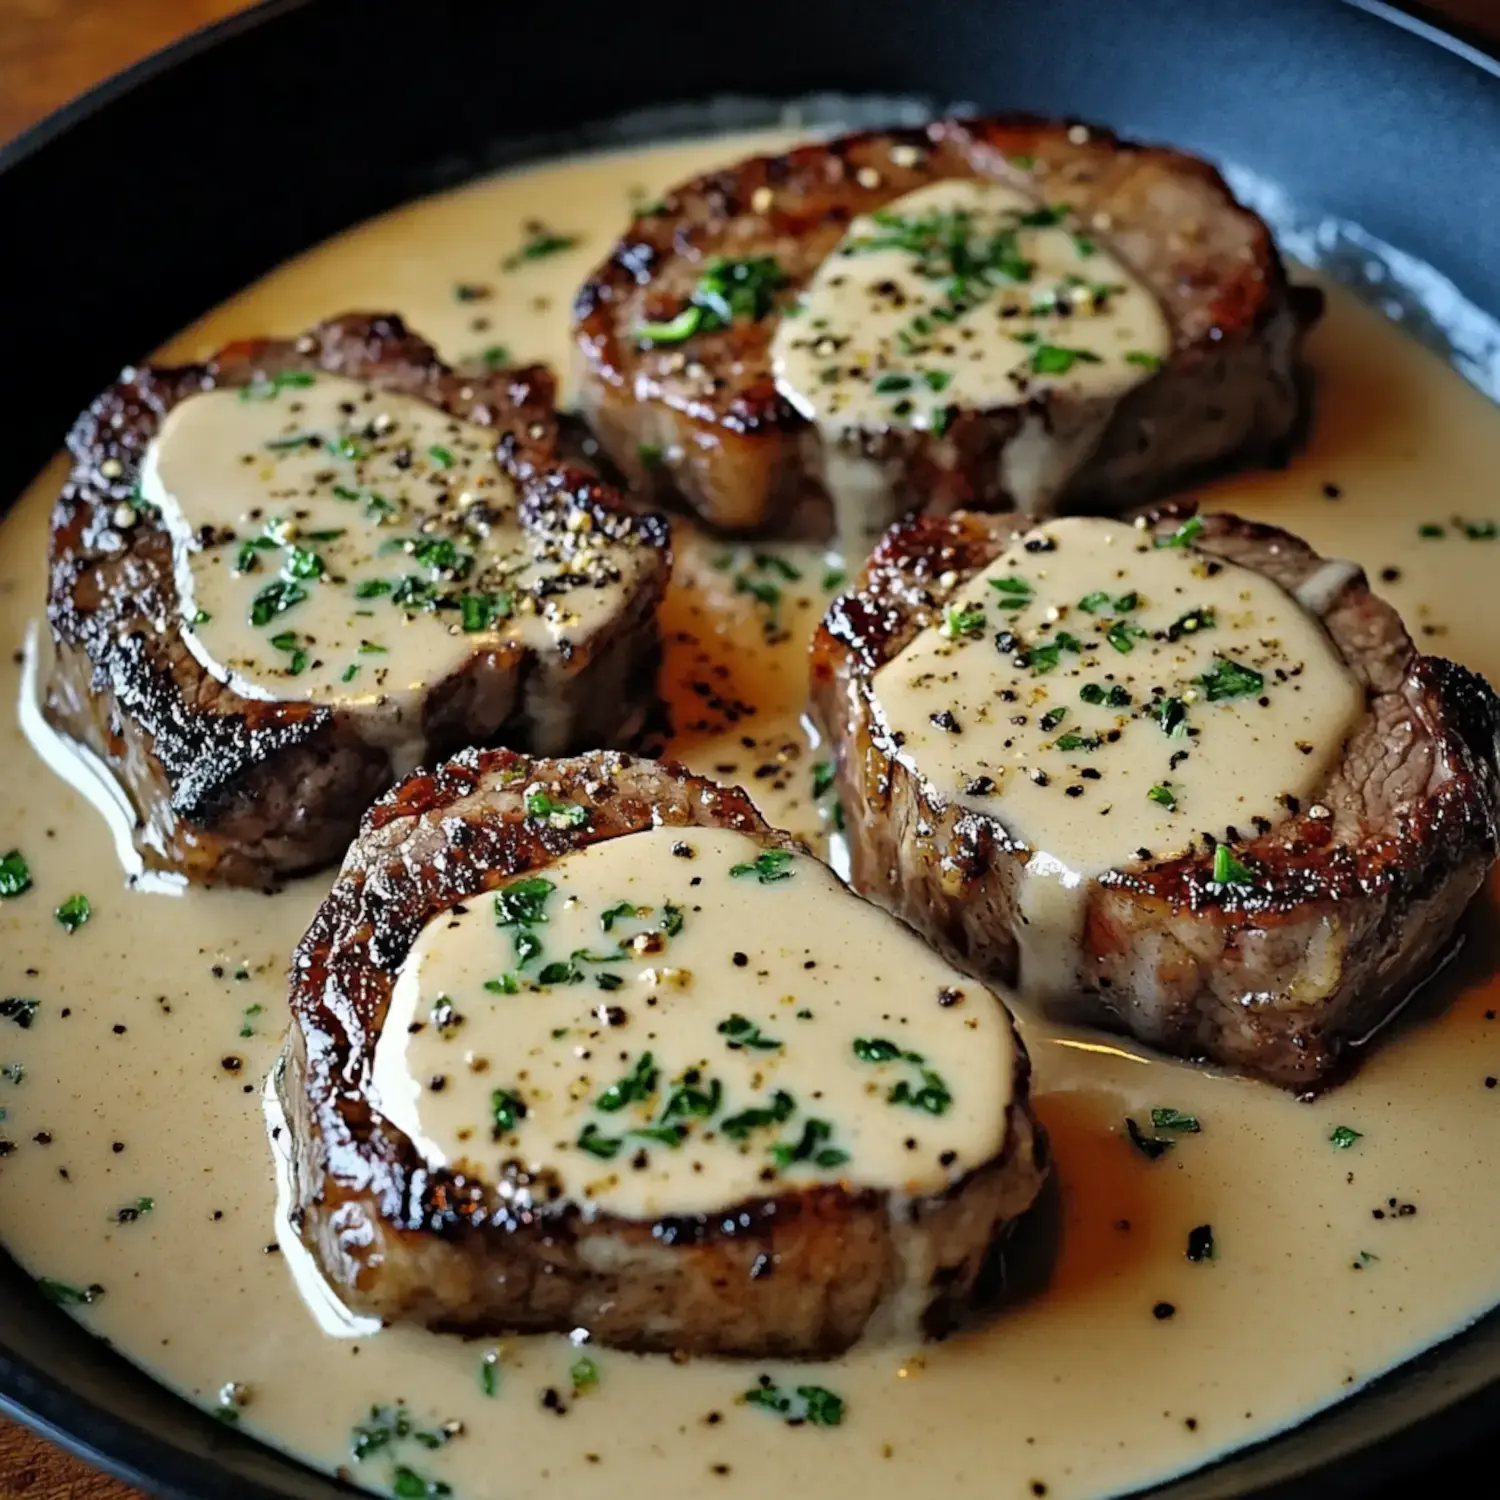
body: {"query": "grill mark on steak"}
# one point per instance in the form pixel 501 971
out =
pixel 736 451
pixel 800 1272
pixel 245 791
pixel 1349 910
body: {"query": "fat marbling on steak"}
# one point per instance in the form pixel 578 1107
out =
pixel 1355 896
pixel 701 419
pixel 246 790
pixel 799 1267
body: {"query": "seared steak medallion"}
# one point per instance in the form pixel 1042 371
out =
pixel 584 1044
pixel 281 579
pixel 985 313
pixel 1187 780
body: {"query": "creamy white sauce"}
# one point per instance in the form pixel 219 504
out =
pixel 1080 1386
pixel 964 296
pixel 1144 695
pixel 337 543
pixel 1109 697
pixel 619 1021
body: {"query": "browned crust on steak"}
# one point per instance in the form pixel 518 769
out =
pixel 243 791
pixel 792 1274
pixel 1349 911
pixel 732 447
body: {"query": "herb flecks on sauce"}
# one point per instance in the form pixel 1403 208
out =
pixel 1137 695
pixel 962 296
pixel 602 1025
pixel 327 522
pixel 15 875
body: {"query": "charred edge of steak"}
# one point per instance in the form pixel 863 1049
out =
pixel 1387 866
pixel 362 1184
pixel 1231 315
pixel 209 772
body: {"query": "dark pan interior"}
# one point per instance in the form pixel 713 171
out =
pixel 168 189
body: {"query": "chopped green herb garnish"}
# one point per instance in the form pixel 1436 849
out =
pixel 741 1032
pixel 1053 359
pixel 1072 741
pixel 272 385
pixel 247 1017
pixel 527 945
pixel 522 903
pixel 1093 603
pixel 1230 679
pixel 507 1110
pixel 557 812
pixel 302 563
pixel 275 599
pixel 15 876
pixel 1143 359
pixel 1114 696
pixel 1171 716
pixel 768 866
pixel 1163 794
pixel 1430 529
pixel 1052 718
pixel 1228 870
pixel 441 456
pixel 65 1294
pixel 810 1146
pixel 1190 623
pixel 650 455
pixel 620 911
pixel 480 611
pixel 584 1375
pixel 407 1484
pixel 822 778
pixel 73 913
pixel 350 672
pixel 489 1373
pixel 441 554
pixel 1184 535
pixel 1123 637
pixel 1344 1136
pixel 963 621
pixel 371 588
pixel 834 578
pixel 596 1143
pixel 781 1108
pixel 635 1087
pixel 1174 1119
pixel 540 243
pixel 814 1405
pixel 1148 1145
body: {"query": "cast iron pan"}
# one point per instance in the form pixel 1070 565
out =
pixel 159 194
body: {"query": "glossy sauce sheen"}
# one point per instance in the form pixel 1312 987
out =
pixel 886 331
pixel 1128 670
pixel 338 543
pixel 158 1018
pixel 616 1032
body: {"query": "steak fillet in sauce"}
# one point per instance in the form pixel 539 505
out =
pixel 1356 895
pixel 245 791
pixel 701 421
pixel 799 1271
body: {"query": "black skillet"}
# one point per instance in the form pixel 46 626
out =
pixel 160 193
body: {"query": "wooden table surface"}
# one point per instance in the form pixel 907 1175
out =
pixel 51 50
